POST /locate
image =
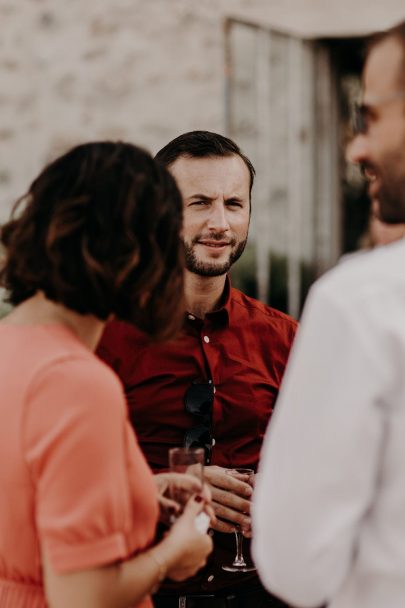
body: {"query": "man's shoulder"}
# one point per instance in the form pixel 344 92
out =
pixel 119 336
pixel 365 274
pixel 253 309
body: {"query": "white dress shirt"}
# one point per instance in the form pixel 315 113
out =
pixel 329 503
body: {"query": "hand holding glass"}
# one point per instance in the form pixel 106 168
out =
pixel 189 461
pixel 239 564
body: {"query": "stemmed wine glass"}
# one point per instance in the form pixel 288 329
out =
pixel 185 460
pixel 239 564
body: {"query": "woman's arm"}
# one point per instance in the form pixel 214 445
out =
pixel 180 555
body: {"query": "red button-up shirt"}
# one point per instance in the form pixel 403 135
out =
pixel 243 347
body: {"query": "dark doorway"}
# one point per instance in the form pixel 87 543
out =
pixel 347 57
pixel 288 104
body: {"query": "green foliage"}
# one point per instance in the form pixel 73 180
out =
pixel 244 278
pixel 244 272
pixel 4 306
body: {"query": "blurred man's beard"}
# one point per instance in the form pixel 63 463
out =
pixel 391 194
pixel 211 269
pixel 392 202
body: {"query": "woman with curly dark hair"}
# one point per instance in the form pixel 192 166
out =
pixel 98 237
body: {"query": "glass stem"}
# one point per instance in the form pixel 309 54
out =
pixel 239 559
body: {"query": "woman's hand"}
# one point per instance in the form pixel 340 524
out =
pixel 184 485
pixel 179 555
pixel 185 549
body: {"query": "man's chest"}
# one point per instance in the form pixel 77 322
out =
pixel 246 381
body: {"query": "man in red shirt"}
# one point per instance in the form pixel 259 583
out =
pixel 214 386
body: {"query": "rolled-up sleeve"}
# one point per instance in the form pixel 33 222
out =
pixel 74 443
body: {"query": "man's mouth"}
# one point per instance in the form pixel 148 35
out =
pixel 372 179
pixel 373 189
pixel 374 184
pixel 369 174
pixel 214 244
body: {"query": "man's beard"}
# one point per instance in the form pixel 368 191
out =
pixel 211 269
pixel 391 194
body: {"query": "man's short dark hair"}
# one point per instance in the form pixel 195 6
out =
pixel 397 32
pixel 201 144
pixel 99 233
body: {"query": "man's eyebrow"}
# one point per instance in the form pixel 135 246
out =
pixel 238 199
pixel 200 197
pixel 205 197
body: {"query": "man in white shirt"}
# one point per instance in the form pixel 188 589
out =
pixel 329 504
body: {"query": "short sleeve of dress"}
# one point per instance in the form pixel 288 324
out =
pixel 75 434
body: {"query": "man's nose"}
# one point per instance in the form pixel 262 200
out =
pixel 218 219
pixel 357 150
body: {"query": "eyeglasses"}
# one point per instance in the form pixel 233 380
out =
pixel 362 110
pixel 198 401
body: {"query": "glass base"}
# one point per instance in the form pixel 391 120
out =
pixel 238 568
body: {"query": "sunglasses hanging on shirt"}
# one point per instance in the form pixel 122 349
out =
pixel 198 401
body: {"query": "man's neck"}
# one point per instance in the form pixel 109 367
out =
pixel 203 294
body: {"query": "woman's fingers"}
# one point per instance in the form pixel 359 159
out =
pixel 168 504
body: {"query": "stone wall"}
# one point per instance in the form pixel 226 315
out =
pixel 140 70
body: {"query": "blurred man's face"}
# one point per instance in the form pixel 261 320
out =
pixel 216 211
pixel 380 149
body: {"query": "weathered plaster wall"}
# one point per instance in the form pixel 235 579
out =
pixel 142 70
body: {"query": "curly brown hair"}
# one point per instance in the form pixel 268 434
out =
pixel 99 233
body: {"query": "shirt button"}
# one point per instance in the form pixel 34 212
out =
pixel 210 578
pixel 206 339
pixel 213 442
pixel 191 317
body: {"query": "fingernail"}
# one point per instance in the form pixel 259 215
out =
pixel 198 498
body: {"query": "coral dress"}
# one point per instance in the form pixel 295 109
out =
pixel 73 480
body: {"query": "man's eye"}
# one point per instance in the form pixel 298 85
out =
pixel 363 116
pixel 234 204
pixel 198 203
